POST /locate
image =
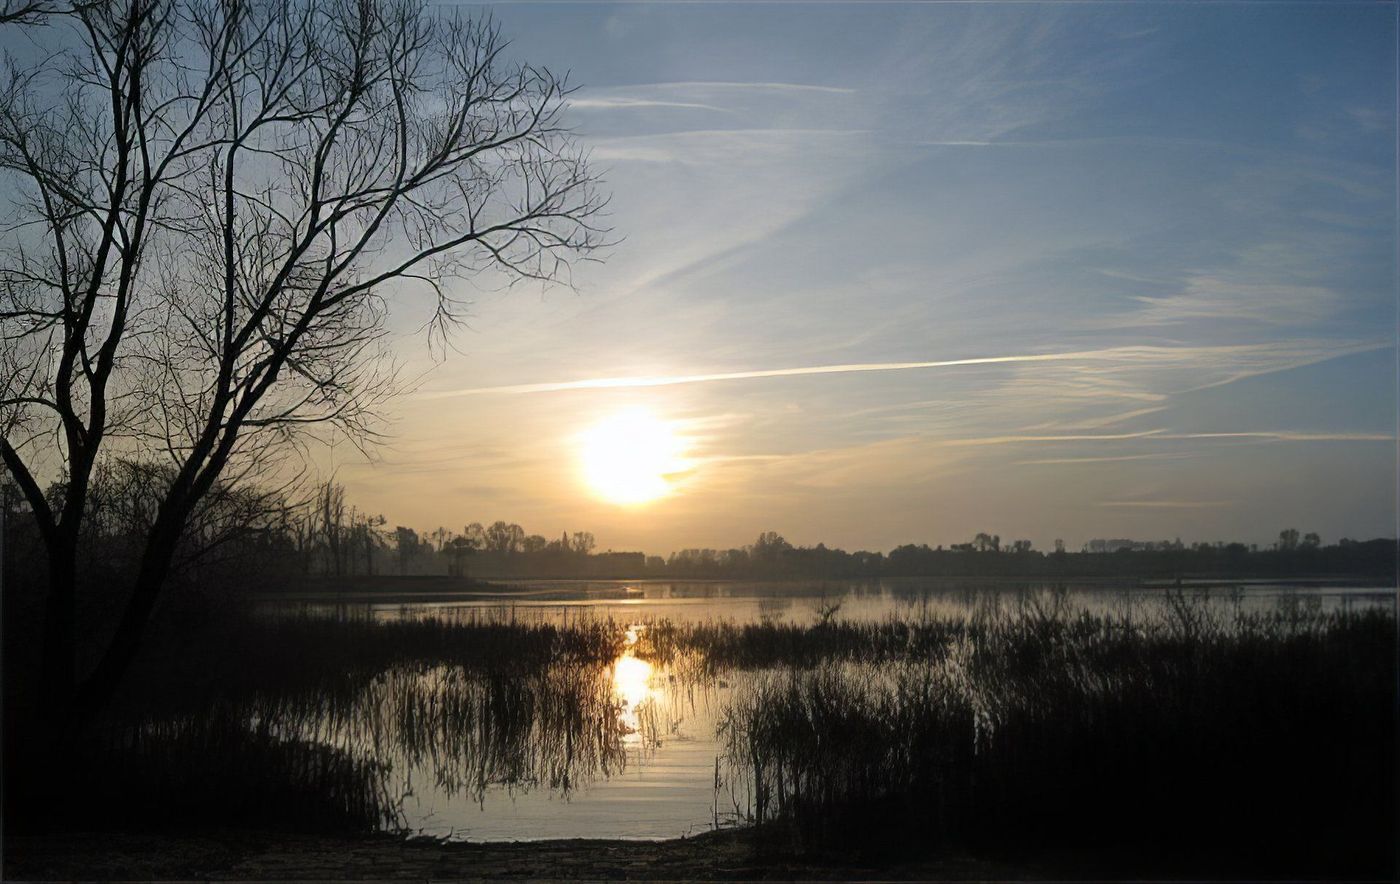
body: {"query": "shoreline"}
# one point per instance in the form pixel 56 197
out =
pixel 725 855
pixel 239 855
pixel 425 589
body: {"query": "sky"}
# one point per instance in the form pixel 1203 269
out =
pixel 1156 243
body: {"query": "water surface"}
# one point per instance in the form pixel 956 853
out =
pixel 631 750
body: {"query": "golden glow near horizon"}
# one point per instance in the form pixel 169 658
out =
pixel 629 458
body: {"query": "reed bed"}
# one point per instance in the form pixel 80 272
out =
pixel 337 761
pixel 1263 741
pixel 314 724
pixel 214 770
pixel 250 653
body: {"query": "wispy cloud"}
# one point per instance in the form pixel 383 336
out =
pixel 1255 371
pixel 625 103
pixel 1168 504
pixel 740 186
pixel 709 147
pixel 765 87
pixel 1055 461
pixel 1075 437
pixel 1100 422
pixel 1211 298
pixel 758 100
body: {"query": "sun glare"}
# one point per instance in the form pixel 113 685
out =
pixel 630 458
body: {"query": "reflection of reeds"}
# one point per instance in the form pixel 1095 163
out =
pixel 343 760
pixel 325 723
pixel 1258 736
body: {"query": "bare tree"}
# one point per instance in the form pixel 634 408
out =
pixel 459 549
pixel 503 538
pixel 330 509
pixel 211 200
pixel 582 542
pixel 24 11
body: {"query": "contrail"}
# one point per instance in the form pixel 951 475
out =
pixel 845 368
pixel 1136 354
pixel 1161 435
pixel 1290 436
pixel 1078 437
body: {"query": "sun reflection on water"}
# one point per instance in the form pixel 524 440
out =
pixel 632 680
pixel 632 687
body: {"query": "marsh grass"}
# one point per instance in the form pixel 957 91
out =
pixel 213 770
pixel 1250 741
pixel 310 724
pixel 1253 742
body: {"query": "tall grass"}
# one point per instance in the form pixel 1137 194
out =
pixel 312 724
pixel 1259 741
pixel 213 769
pixel 248 653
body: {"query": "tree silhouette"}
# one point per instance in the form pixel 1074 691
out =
pixel 210 202
pixel 504 538
pixel 769 546
pixel 406 545
pixel 582 542
pixel 475 535
pixel 330 508
pixel 25 11
pixel 985 542
pixel 459 549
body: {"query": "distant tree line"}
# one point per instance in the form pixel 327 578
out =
pixel 987 556
pixel 255 537
pixel 249 538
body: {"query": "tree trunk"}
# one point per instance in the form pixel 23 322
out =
pixel 58 677
pixel 97 691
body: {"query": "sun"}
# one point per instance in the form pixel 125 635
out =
pixel 631 457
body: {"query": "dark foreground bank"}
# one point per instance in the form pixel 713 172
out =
pixel 729 855
pixel 262 856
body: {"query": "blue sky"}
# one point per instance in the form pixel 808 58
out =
pixel 1191 207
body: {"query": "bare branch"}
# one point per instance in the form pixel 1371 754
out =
pixel 217 201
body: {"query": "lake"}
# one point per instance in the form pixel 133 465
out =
pixel 634 750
